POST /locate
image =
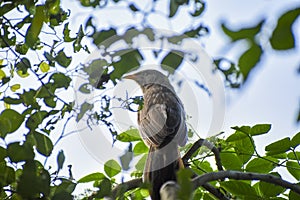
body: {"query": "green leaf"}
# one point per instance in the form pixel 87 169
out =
pixel 44 67
pixel 7 174
pixel 36 26
pixel 10 121
pixel 61 80
pixel 294 169
pixel 231 161
pixel 185 183
pixel 101 38
pixel 97 176
pixel 83 109
pixel 22 48
pixel 173 7
pixel 280 146
pixel 85 88
pixel 129 136
pixel 60 159
pixel 199 8
pixel 39 179
pixel 293 195
pixel 53 6
pixel 15 87
pixel 238 135
pixel 141 163
pixel 18 153
pixel 294 155
pixel 172 60
pixel 63 59
pixel 66 33
pixel 36 119
pixel 2 74
pixel 105 188
pixel 295 141
pixel 2 154
pixel 133 7
pixel 261 165
pixel 239 188
pixel 282 37
pixel 14 101
pixel 244 149
pixel 243 129
pixel 64 190
pixel 129 59
pixel 140 148
pixel 22 67
pixel 249 59
pixel 260 129
pixel 43 144
pixel 243 33
pixel 112 168
pixel 269 189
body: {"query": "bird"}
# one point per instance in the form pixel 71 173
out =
pixel 162 126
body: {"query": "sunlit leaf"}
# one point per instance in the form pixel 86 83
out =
pixel 260 129
pixel 279 146
pixel 261 165
pixel 97 176
pixel 112 168
pixel 269 189
pixel 231 161
pixel 295 141
pixel 140 148
pixel 129 136
pixel 15 87
pixel 2 74
pixel 239 188
pixel 44 67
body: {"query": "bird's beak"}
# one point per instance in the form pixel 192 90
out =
pixel 131 76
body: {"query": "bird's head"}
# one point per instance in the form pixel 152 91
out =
pixel 146 77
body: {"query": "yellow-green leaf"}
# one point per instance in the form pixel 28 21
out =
pixel 2 74
pixel 20 73
pixel 44 67
pixel 15 87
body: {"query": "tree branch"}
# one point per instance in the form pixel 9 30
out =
pixel 126 186
pixel 196 146
pixel 237 175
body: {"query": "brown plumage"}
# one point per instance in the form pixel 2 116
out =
pixel 162 127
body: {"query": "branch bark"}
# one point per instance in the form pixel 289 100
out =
pixel 197 145
pixel 237 175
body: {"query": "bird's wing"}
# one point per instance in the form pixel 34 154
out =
pixel 160 124
pixel 152 124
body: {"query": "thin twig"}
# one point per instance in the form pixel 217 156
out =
pixel 196 146
pixel 237 175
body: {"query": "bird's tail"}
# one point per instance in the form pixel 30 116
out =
pixel 161 166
